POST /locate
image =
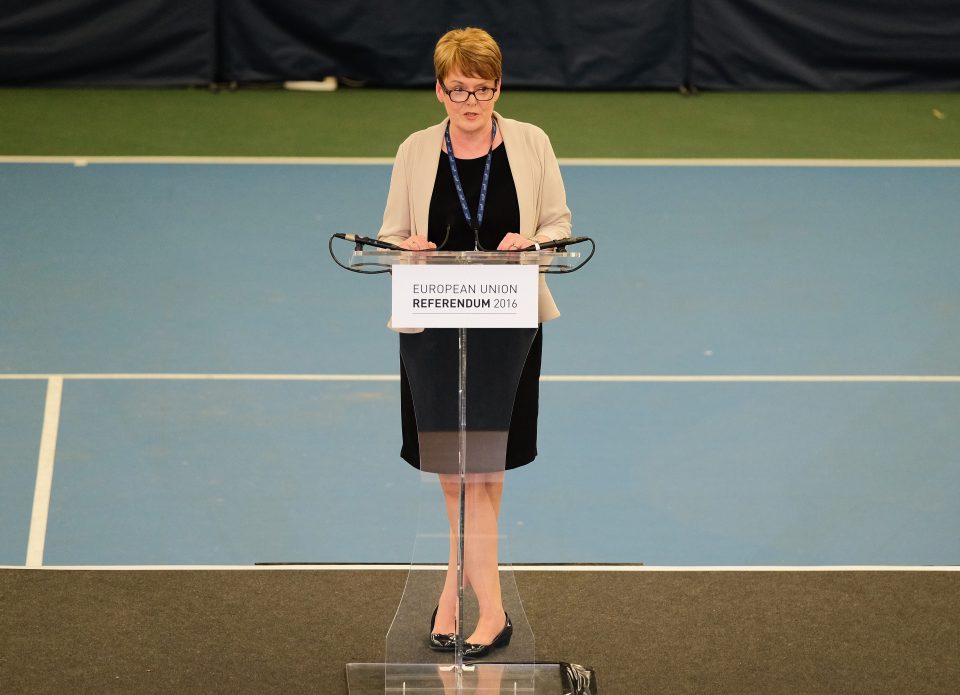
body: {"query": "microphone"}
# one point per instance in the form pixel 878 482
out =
pixel 569 241
pixel 356 238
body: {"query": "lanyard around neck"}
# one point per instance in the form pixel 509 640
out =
pixel 459 186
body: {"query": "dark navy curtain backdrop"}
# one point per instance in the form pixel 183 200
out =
pixel 546 43
pixel 107 42
pixel 826 44
pixel 568 44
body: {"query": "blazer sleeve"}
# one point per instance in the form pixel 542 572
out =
pixel 396 224
pixel 554 220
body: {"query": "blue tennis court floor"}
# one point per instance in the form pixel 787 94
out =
pixel 759 367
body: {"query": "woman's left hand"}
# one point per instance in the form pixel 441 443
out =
pixel 514 242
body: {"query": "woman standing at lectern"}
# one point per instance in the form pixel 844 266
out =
pixel 524 204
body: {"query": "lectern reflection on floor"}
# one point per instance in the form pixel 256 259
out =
pixel 470 679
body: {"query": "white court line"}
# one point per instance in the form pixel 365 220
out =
pixel 516 568
pixel 84 160
pixel 133 376
pixel 44 484
pixel 759 378
pixel 731 162
pixel 578 378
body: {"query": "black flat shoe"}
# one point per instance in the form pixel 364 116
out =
pixel 440 642
pixel 476 651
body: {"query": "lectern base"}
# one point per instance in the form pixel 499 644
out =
pixel 436 679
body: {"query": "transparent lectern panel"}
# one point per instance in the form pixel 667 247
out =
pixel 370 260
pixel 464 384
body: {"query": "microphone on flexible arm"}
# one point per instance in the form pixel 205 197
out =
pixel 559 243
pixel 367 241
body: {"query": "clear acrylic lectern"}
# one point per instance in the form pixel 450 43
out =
pixel 463 381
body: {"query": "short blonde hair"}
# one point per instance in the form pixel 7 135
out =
pixel 471 51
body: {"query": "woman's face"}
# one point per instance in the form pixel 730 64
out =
pixel 471 115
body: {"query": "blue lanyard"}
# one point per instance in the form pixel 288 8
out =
pixel 483 185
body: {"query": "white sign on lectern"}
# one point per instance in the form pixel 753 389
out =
pixel 465 296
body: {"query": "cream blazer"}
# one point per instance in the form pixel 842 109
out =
pixel 536 175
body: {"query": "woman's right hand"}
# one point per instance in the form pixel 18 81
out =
pixel 416 242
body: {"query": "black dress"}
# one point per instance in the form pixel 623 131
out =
pixel 447 227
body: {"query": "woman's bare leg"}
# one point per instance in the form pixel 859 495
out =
pixel 481 557
pixel 482 495
pixel 447 606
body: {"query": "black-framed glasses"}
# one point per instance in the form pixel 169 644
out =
pixel 458 95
